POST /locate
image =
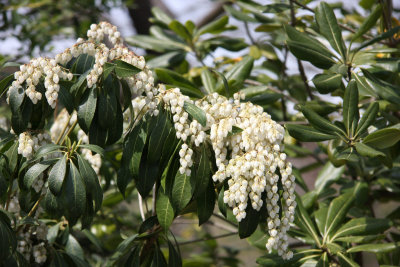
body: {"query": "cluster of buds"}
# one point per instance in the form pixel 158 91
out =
pixel 28 143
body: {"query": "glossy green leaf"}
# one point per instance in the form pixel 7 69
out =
pixel 208 81
pixel 297 259
pixel 174 258
pixel 367 118
pixel 327 83
pixel 360 239
pixel 167 59
pixel 303 220
pixel 337 211
pixel 57 175
pixel 320 123
pixel 87 108
pixel 206 203
pixel 328 27
pixel 214 27
pixel 34 172
pixel 368 23
pixel 239 14
pixel 73 248
pixel 174 78
pixel 383 138
pixel 155 44
pixel 124 69
pixel 380 37
pixel 94 148
pixel 181 191
pixel 5 83
pixel 201 174
pixel 350 108
pixel 367 151
pixel 362 226
pixel 323 261
pixel 197 113
pixel 107 104
pixel 307 134
pixel 17 97
pixel 346 261
pixel 295 35
pixel 375 248
pixel 320 219
pixel 238 73
pixel 165 210
pixel 180 30
pixel 74 194
pixel 308 53
pixel 249 224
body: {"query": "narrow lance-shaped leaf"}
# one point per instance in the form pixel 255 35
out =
pixel 124 69
pixel 303 220
pixel 367 151
pixel 74 194
pixel 367 118
pixel 208 81
pixel 383 138
pixel 368 23
pixel 306 52
pixel 375 248
pixel 196 112
pixel 307 134
pixel 329 27
pixel 34 172
pixel 350 108
pixel 380 37
pixel 362 226
pixel 206 203
pixel 57 175
pixel 181 191
pixel 327 83
pixel 87 108
pixel 320 123
pixel 165 211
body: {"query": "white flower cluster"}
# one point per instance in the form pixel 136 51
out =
pixel 97 33
pixel 30 75
pixel 185 130
pixel 39 253
pixel 28 144
pixel 248 149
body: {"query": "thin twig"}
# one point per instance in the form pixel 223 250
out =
pixel 69 131
pixel 246 26
pixel 63 130
pixel 207 238
pixel 224 219
pixel 154 200
pixel 141 207
pixel 32 211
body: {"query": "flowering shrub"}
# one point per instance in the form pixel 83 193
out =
pixel 184 140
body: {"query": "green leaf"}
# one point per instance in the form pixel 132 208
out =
pixel 375 248
pixel 174 258
pixel 181 191
pixel 303 220
pixel 235 130
pixel 298 257
pixel 201 175
pixel 167 60
pixel 307 134
pixel 17 97
pixel 65 96
pixel 380 37
pixel 362 226
pixel 73 248
pixel 107 69
pixel 337 211
pixel 320 123
pixel 57 175
pixel 311 42
pixel 46 150
pixel 94 148
pixel 158 258
pixel 327 83
pixel 180 30
pixel 165 211
pixel 83 63
pixel 107 104
pixel 206 203
pixel 237 74
pixel 174 78
pixel 5 83
pixel 368 23
pixel 34 172
pixel 91 180
pixel 329 28
pixel 323 261
pixel 52 233
pixel 87 108
pixel 320 219
pixel 97 135
pixel 156 44
pixel 249 224
pixel 161 15
pixel 238 14
pixel 367 151
pixel 214 27
pixel 197 113
pixel 208 81
pixel 124 69
pixel 360 239
pixel 307 52
pixel 74 194
pixel 384 89
pixel 367 118
pixel 350 108
pixel 383 138
pixel 345 261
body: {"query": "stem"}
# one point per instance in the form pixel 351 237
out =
pixel 141 207
pixel 63 130
pixel 387 14
pixel 224 219
pixel 32 211
pixel 251 82
pixel 69 131
pixel 154 200
pixel 207 238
